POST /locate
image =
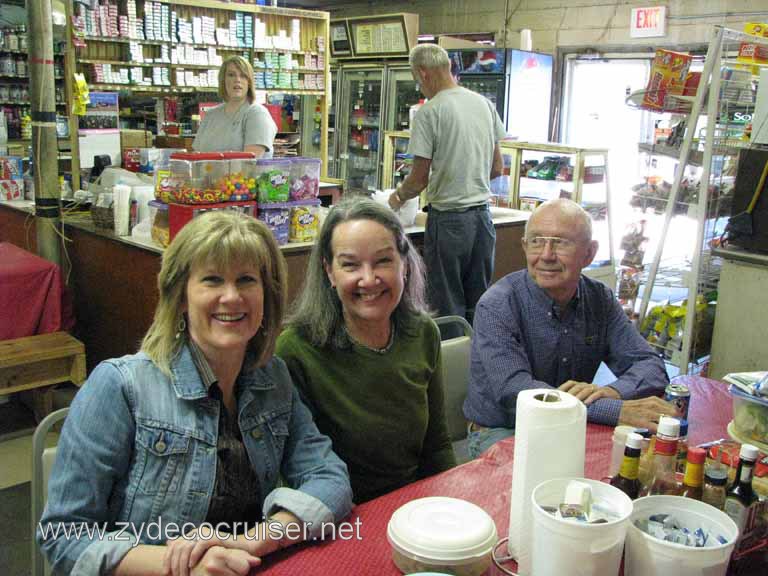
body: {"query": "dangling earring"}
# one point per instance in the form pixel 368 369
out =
pixel 181 327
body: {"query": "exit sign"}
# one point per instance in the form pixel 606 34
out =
pixel 648 22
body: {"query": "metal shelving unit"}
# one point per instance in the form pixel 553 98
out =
pixel 726 86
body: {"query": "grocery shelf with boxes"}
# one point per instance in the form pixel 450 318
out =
pixel 163 58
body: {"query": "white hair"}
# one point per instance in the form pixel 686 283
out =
pixel 429 56
pixel 569 209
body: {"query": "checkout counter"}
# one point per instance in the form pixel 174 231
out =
pixel 113 278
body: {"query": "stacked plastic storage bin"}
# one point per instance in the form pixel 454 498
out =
pixel 287 192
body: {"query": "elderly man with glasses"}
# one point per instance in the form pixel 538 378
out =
pixel 551 327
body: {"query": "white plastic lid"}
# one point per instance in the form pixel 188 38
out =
pixel 669 427
pixel 442 529
pixel 748 452
pixel 634 440
pixel 620 433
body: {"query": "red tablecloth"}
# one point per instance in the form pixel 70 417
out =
pixel 485 482
pixel 31 295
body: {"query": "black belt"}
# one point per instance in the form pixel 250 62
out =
pixel 474 208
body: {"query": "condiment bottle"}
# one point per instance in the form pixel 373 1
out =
pixel 740 496
pixel 662 480
pixel 715 481
pixel 626 480
pixel 682 447
pixel 646 457
pixel 694 473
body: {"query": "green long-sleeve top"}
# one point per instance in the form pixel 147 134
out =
pixel 384 411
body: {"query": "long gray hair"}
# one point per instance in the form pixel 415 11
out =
pixel 318 313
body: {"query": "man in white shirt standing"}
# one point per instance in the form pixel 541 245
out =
pixel 455 147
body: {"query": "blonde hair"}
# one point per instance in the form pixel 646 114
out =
pixel 245 68
pixel 226 238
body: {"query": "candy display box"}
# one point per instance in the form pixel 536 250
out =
pixel 205 178
pixel 181 214
pixel 272 180
pixel 305 178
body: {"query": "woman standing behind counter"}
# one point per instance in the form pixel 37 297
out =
pixel 364 353
pixel 238 125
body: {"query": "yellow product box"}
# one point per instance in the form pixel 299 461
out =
pixel 304 221
pixel 668 74
pixel 754 52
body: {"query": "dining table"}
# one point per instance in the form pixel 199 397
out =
pixel 33 297
pixel 362 548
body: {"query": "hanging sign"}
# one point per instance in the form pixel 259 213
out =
pixel 648 22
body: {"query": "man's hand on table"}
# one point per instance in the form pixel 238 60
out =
pixel 587 392
pixel 645 412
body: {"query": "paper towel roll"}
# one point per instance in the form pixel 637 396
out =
pixel 550 435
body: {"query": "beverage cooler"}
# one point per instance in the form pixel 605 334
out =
pixel 372 98
pixel 484 72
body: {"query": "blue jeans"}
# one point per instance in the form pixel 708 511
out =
pixel 478 441
pixel 458 252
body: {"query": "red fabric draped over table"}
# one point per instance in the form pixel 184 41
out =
pixel 32 295
pixel 486 482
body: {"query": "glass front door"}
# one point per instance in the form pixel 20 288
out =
pixel 359 127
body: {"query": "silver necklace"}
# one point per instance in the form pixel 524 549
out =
pixel 372 348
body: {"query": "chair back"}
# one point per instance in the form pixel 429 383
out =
pixel 455 358
pixel 42 464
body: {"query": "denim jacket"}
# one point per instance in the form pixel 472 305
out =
pixel 140 448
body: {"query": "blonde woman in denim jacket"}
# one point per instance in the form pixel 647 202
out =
pixel 196 429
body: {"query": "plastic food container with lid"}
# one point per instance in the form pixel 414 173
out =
pixel 305 220
pixel 750 416
pixel 305 178
pixel 272 179
pixel 442 534
pixel 194 177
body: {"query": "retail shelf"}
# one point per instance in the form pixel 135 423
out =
pixel 119 62
pixel 533 188
pixel 121 40
pixel 694 156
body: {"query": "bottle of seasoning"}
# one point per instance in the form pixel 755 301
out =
pixel 740 496
pixel 662 480
pixel 646 457
pixel 682 446
pixel 626 480
pixel 694 473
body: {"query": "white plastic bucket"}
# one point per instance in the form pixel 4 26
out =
pixel 649 556
pixel 577 549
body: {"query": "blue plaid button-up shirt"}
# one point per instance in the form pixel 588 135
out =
pixel 523 340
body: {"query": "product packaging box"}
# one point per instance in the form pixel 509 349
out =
pixel 11 167
pixel 11 190
pixel 754 52
pixel 135 138
pixel 668 75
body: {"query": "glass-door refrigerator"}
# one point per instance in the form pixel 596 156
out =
pixel 402 93
pixel 528 95
pixel 359 123
pixel 484 72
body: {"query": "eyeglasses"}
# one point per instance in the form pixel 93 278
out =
pixel 536 244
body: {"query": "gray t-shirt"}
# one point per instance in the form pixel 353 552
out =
pixel 221 132
pixel 458 130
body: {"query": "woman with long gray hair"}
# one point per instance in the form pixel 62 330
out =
pixel 364 353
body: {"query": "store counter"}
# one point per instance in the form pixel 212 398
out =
pixel 113 278
pixel 741 316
